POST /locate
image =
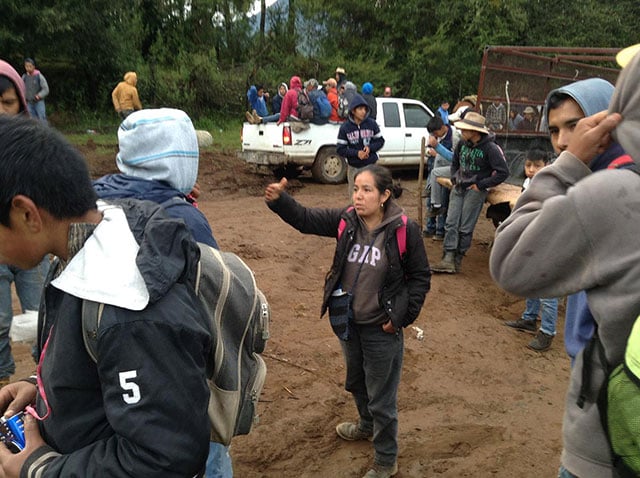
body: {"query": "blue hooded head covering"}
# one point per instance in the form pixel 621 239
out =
pixel 592 95
pixel 367 88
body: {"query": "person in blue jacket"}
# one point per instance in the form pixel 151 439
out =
pixel 158 158
pixel 141 409
pixel 359 139
pixel 257 97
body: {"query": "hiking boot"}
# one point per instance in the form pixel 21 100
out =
pixel 541 342
pixel 521 324
pixel 379 471
pixel 351 432
pixel 438 237
pixel 256 118
pixel 446 264
pixel 249 117
pixel 457 261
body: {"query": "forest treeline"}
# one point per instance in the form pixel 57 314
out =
pixel 201 55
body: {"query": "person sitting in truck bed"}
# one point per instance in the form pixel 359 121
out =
pixel 289 108
pixel 332 95
pixel 257 101
pixel 276 103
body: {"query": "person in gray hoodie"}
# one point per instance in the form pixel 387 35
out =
pixel 589 225
pixel 564 107
pixel 37 89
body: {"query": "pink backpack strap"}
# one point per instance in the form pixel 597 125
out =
pixel 343 224
pixel 401 233
pixel 401 236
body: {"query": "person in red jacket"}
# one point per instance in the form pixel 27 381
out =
pixel 289 108
pixel 332 95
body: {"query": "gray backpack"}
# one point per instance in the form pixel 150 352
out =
pixel 239 315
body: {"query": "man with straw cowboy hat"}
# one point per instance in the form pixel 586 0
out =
pixel 478 164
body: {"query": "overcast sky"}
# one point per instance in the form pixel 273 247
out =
pixel 256 5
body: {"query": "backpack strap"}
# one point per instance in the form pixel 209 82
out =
pixel 401 233
pixel 91 315
pixel 342 225
pixel 624 162
pixel 587 357
pixel 401 237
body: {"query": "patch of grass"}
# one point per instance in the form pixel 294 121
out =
pixel 103 132
pixel 225 131
pixel 104 142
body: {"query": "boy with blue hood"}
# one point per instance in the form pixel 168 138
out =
pixel 589 225
pixel 359 138
pixel 564 107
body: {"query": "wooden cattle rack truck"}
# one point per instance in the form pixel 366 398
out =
pixel 514 78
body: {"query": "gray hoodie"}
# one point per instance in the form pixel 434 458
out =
pixel 572 230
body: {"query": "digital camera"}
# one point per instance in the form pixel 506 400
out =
pixel 12 432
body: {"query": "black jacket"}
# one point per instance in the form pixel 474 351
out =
pixel 482 164
pixel 141 410
pixel 406 282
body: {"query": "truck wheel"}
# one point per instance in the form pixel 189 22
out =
pixel 329 167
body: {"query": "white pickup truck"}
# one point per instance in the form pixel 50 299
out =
pixel 273 148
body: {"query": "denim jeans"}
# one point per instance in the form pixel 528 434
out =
pixel 271 118
pixel 374 365
pixel 38 110
pixel 465 206
pixel 549 313
pixel 439 193
pixel 29 289
pixel 435 225
pixel 218 462
pixel 564 473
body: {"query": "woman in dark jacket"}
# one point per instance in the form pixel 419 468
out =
pixel 387 293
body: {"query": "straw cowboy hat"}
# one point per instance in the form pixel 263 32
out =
pixel 458 114
pixel 472 121
pixel 529 111
pixel 626 55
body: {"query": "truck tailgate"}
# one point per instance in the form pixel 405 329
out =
pixel 262 137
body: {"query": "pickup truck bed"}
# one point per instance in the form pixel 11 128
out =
pixel 286 150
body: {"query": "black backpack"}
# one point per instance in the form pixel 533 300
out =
pixel 305 108
pixel 343 106
pixel 239 316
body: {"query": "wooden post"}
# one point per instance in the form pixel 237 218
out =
pixel 423 148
